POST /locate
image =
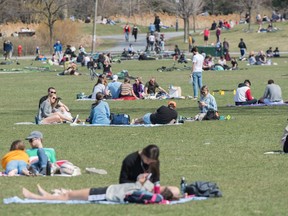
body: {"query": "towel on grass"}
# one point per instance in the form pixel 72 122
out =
pixel 130 125
pixel 257 105
pixel 18 200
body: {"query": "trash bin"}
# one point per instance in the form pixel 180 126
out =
pixel 210 50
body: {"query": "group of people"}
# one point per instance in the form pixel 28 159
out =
pixel 52 110
pixel 272 94
pixel 34 161
pixel 140 170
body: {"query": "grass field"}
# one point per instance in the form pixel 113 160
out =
pixel 230 153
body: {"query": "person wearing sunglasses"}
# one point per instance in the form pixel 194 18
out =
pixel 51 91
pixel 206 103
pixel 48 114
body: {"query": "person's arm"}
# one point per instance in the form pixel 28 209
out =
pixel 161 89
pixel 124 173
pixel 46 109
pixel 266 93
pixel 64 106
pixel 145 89
pixel 133 93
pixel 249 95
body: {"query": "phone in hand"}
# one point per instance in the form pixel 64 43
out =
pixel 148 176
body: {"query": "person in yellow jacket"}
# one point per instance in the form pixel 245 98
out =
pixel 16 160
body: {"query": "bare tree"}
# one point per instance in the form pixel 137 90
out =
pixel 52 11
pixel 250 5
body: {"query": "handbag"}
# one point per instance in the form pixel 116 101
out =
pixel 119 119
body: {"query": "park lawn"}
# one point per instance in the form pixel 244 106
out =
pixel 230 153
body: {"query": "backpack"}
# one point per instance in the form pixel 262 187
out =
pixel 143 197
pixel 119 119
pixel 211 115
pixel 204 189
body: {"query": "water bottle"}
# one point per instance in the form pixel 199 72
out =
pixel 183 185
pixel 157 187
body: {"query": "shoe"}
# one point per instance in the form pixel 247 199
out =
pixel 75 119
pixel 195 98
pixel 36 120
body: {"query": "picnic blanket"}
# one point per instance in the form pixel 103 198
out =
pixel 15 199
pixel 257 105
pixel 130 125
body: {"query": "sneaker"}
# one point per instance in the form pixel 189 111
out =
pixel 36 120
pixel 195 98
pixel 75 119
pixel 93 170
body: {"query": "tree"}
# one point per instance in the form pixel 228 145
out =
pixel 185 9
pixel 51 10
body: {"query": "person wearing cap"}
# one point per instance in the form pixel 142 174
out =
pixel 207 102
pixel 243 94
pixel 163 115
pixel 40 166
pixel 272 94
pixel 114 87
pixel 151 86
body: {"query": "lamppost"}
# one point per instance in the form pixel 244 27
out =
pixel 94 27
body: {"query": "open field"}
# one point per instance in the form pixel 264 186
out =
pixel 227 152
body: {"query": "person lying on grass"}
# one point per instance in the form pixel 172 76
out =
pixel 114 193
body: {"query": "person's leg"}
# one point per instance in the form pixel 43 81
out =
pixel 11 168
pixel 51 119
pixel 81 194
pixel 42 160
pixel 22 168
pixel 285 146
pixel 195 84
pixel 199 75
pixel 254 101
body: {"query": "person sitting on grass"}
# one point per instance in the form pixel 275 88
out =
pixel 234 64
pixel 272 94
pixel 243 94
pixel 48 112
pixel 163 115
pixel 207 102
pixel 151 86
pixel 138 87
pixel 113 193
pixel 100 111
pixel 16 160
pixel 126 90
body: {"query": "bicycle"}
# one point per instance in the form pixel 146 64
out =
pixel 169 69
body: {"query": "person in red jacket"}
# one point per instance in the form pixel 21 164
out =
pixel 243 94
pixel 127 32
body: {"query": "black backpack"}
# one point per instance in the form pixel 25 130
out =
pixel 211 115
pixel 203 189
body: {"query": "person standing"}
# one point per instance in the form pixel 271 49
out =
pixel 135 32
pixel 272 94
pixel 8 49
pixel 127 32
pixel 226 50
pixel 191 42
pixel 151 41
pixel 157 23
pixel 242 47
pixel 218 33
pixel 198 60
pixel 206 34
pixel 58 50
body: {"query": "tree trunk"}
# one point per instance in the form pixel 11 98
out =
pixel 249 11
pixel 50 37
pixel 194 23
pixel 185 29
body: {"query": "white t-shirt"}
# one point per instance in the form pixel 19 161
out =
pixel 198 61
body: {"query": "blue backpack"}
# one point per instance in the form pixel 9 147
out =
pixel 143 197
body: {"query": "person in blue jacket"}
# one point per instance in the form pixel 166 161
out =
pixel 100 111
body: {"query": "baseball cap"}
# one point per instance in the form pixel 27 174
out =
pixel 173 103
pixel 34 134
pixel 115 77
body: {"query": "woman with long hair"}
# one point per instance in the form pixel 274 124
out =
pixel 100 111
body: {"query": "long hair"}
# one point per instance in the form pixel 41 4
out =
pixel 152 152
pixel 99 98
pixel 17 145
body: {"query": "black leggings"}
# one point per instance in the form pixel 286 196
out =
pixel 285 147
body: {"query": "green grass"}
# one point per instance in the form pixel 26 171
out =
pixel 229 153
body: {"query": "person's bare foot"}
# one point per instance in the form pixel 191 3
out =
pixel 13 172
pixel 25 172
pixel 41 191
pixel 27 194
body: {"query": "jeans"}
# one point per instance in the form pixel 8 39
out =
pixel 16 164
pixel 127 36
pixel 42 160
pixel 243 52
pixel 197 82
